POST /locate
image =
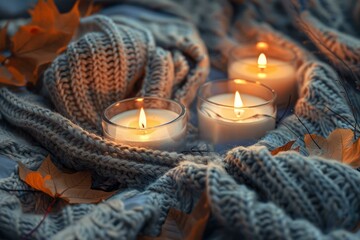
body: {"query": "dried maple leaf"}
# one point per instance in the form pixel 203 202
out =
pixel 36 44
pixel 351 155
pixel 87 7
pixel 339 145
pixel 181 226
pixel 3 37
pixel 11 76
pixel 46 15
pixel 284 148
pixel 73 188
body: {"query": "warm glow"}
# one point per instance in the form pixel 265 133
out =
pixel 142 119
pixel 262 61
pixel 262 46
pixel 238 104
pixel 261 75
pixel 239 81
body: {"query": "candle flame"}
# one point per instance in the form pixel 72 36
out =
pixel 142 119
pixel 262 61
pixel 238 103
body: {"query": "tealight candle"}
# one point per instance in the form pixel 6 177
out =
pixel 146 122
pixel 271 65
pixel 235 111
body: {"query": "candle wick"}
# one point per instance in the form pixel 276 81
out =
pixel 238 112
pixel 143 126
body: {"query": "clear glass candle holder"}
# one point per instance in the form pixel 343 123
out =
pixel 226 120
pixel 270 64
pixel 162 128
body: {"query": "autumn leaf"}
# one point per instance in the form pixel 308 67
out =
pixel 5 74
pixel 30 53
pixel 14 70
pixel 37 181
pixel 87 7
pixel 284 148
pixel 46 15
pixel 3 38
pixel 11 76
pixel 181 226
pixel 330 147
pixel 351 155
pixel 37 44
pixel 73 188
pixel 339 145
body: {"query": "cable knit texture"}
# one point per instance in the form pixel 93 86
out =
pixel 136 51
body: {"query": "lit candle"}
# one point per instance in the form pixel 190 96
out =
pixel 234 114
pixel 271 66
pixel 146 122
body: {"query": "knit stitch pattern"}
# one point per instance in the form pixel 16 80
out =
pixel 252 194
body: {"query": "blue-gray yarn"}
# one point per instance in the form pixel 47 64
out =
pixel 252 194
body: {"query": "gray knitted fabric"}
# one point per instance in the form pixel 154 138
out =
pixel 104 66
pixel 252 194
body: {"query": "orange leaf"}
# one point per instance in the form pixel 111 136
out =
pixel 74 188
pixel 87 7
pixel 351 154
pixel 38 43
pixel 68 22
pixel 46 15
pixel 37 181
pixel 182 226
pixel 330 147
pixel 284 148
pixel 17 71
pixel 10 76
pixel 3 37
pixel 339 145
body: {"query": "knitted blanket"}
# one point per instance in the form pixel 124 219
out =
pixel 163 48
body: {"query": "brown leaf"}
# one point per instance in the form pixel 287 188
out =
pixel 330 147
pixel 87 7
pixel 73 188
pixel 15 70
pixel 46 15
pixel 3 37
pixel 181 226
pixel 351 154
pixel 38 43
pixel 11 76
pixel 339 145
pixel 284 148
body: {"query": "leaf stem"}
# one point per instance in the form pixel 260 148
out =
pixel 48 210
pixel 307 131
